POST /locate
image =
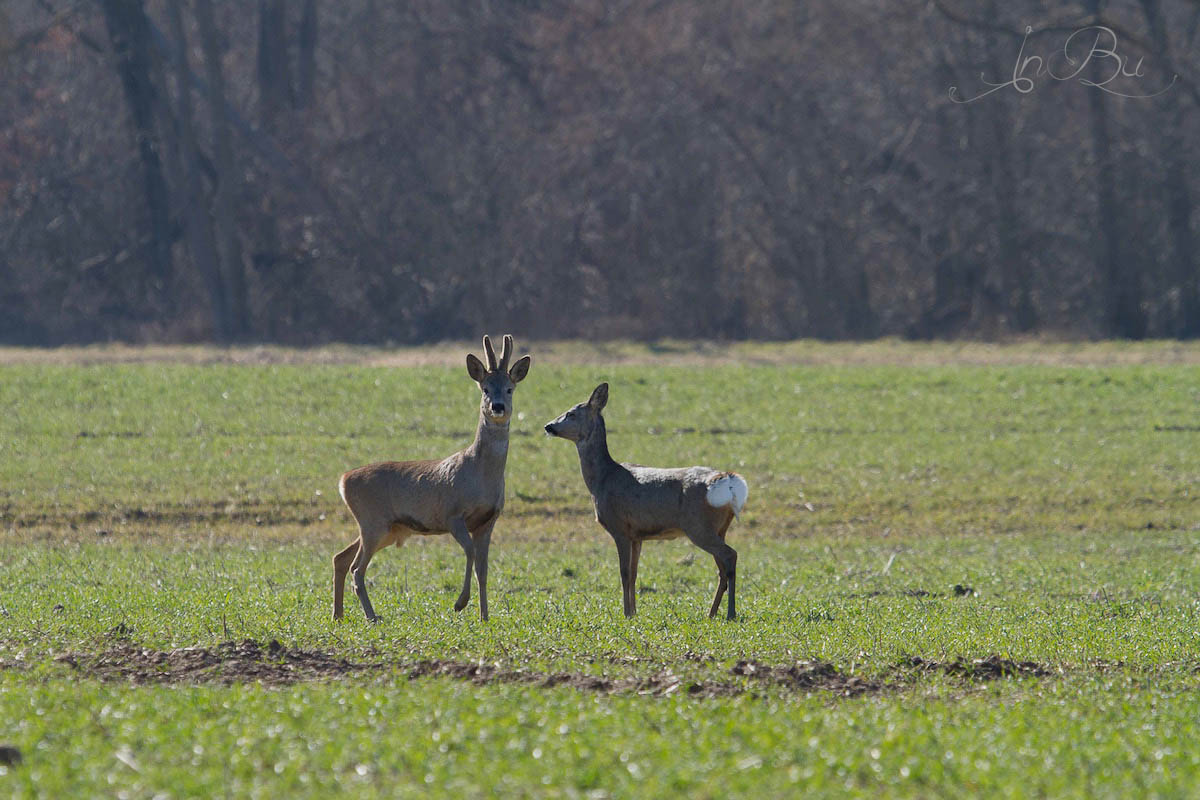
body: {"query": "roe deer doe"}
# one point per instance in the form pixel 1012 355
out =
pixel 636 504
pixel 462 494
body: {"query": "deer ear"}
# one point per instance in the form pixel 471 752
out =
pixel 599 397
pixel 520 369
pixel 475 368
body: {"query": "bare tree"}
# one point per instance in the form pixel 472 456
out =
pixel 128 32
pixel 306 60
pixel 646 169
pixel 197 219
pixel 1124 316
pixel 1178 197
pixel 225 198
pixel 274 69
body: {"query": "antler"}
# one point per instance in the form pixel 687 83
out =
pixel 505 353
pixel 491 354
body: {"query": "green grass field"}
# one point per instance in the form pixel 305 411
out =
pixel 962 571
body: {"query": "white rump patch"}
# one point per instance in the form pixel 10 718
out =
pixel 729 489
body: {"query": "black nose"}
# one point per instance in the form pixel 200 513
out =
pixel 497 408
pixel 549 427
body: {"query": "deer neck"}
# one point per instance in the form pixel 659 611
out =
pixel 594 458
pixel 490 447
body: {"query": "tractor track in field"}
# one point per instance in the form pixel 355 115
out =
pixel 86 523
pixel 274 664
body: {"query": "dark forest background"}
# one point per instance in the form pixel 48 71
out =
pixel 304 171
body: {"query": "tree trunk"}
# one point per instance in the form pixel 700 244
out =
pixel 129 33
pixel 979 302
pixel 225 199
pixel 1185 273
pixel 275 96
pixel 844 292
pixel 1124 317
pixel 274 73
pixel 306 61
pixel 197 222
pixel 1016 277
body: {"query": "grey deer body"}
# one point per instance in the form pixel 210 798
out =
pixel 636 504
pixel 462 495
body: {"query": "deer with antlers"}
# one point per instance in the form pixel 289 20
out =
pixel 462 495
pixel 636 504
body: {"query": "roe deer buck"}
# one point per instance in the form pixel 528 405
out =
pixel 462 494
pixel 635 503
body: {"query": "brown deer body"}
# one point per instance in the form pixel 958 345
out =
pixel 462 495
pixel 636 504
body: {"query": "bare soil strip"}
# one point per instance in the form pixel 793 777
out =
pixel 274 664
pixel 240 516
pixel 227 663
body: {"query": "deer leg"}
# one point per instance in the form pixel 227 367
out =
pixel 483 539
pixel 726 558
pixel 722 579
pixel 359 568
pixel 722 585
pixel 730 564
pixel 458 529
pixel 341 565
pixel 623 554
pixel 635 554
